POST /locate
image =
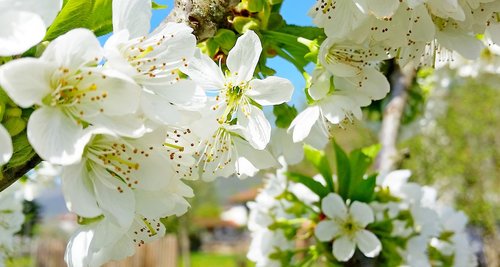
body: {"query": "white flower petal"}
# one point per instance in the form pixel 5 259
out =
pixel 362 213
pixel 5 146
pixel 334 206
pixel 243 58
pixel 326 230
pixel 27 80
pixel 132 15
pixel 79 192
pixel 260 159
pixel 162 111
pixel 466 45
pixel 282 144
pixel 56 137
pixel 122 94
pixel 124 125
pixel 20 30
pixel 46 9
pixel 184 92
pixel 116 205
pixel 303 123
pixel 320 84
pixel 368 243
pixel 203 70
pixel 74 49
pixel 78 248
pixel 257 129
pixel 343 248
pixel 271 91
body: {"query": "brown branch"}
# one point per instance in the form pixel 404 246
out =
pixel 389 156
pixel 10 175
pixel 204 16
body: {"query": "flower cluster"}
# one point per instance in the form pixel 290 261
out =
pixel 403 225
pixel 11 219
pixel 276 217
pixel 362 34
pixel 128 121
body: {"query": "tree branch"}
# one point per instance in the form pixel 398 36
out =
pixel 204 16
pixel 401 80
pixel 10 175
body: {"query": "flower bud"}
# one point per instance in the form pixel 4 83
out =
pixel 243 24
pixel 14 125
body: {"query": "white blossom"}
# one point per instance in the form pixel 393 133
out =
pixel 24 22
pixel 71 94
pixel 237 91
pixel 346 226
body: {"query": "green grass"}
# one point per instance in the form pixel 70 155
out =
pixel 201 259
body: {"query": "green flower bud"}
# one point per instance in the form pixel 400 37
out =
pixel 14 125
pixel 13 112
pixel 255 5
pixel 243 24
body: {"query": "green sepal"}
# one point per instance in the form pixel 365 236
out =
pixel 243 24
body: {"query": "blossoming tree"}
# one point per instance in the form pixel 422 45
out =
pixel 128 122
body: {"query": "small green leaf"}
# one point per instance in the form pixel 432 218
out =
pixel 74 14
pixel 359 163
pixel 343 171
pixel 284 115
pixel 309 182
pixel 95 15
pixel 225 38
pixel 158 6
pixel 320 162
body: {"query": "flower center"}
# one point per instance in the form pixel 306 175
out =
pixel 119 159
pixel 349 226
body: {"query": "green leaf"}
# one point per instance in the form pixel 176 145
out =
pixel 320 162
pixel 158 6
pixel 75 14
pixel 343 171
pixel 362 189
pixel 359 163
pixel 309 182
pixel 284 115
pixel 94 15
pixel 101 20
pixel 225 38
